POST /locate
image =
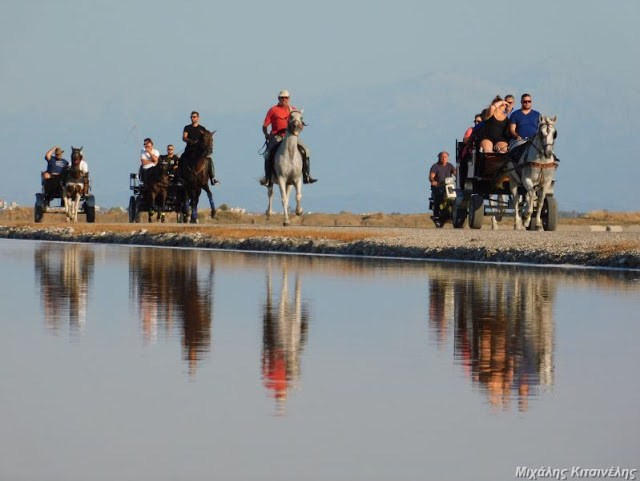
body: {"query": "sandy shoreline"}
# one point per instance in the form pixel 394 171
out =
pixel 567 246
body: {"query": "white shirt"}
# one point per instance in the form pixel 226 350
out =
pixel 144 156
pixel 84 167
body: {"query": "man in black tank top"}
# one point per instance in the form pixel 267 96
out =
pixel 191 135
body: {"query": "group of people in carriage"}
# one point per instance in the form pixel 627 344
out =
pixel 497 129
pixel 57 167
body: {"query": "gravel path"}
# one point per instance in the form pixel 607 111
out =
pixel 565 246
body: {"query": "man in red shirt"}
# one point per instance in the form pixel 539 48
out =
pixel 278 118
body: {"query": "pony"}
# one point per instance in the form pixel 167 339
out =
pixel 156 187
pixel 287 170
pixel 534 170
pixel 195 177
pixel 73 181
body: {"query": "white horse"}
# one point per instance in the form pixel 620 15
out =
pixel 288 167
pixel 535 170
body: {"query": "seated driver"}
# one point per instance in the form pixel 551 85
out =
pixel 437 175
pixel 55 164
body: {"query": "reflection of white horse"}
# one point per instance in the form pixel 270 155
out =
pixel 288 167
pixel 535 170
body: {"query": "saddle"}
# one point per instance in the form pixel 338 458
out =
pixel 271 159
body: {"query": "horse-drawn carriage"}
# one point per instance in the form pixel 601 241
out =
pixel 514 184
pixel 161 193
pixel 71 188
pixel 141 200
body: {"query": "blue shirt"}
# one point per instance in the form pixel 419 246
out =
pixel 526 124
pixel 55 165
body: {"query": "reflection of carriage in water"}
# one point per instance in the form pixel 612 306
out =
pixel 72 188
pixel 515 184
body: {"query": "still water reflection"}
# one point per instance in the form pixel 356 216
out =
pixel 503 328
pixel 374 369
pixel 64 274
pixel 173 289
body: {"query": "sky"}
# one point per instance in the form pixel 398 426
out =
pixel 385 86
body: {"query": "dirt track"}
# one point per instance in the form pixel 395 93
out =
pixel 571 244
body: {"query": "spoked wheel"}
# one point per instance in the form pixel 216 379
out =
pixel 458 217
pixel 132 209
pixel 549 215
pixel 476 211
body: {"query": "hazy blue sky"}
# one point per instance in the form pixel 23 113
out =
pixel 104 75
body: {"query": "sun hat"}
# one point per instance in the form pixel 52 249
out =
pixel 59 151
pixel 283 93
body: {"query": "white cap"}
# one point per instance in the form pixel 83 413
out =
pixel 283 93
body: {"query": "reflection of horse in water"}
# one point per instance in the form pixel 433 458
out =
pixel 170 286
pixel 64 273
pixel 503 322
pixel 284 335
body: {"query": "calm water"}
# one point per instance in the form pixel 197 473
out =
pixel 124 363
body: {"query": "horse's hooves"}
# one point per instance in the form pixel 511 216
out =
pixel 193 221
pixel 286 223
pixel 299 212
pixel 213 214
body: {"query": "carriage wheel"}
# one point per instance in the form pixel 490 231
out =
pixel 476 211
pixel 549 214
pixel 132 209
pixel 38 213
pixel 91 214
pixel 458 217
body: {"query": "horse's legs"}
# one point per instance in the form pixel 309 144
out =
pixel 194 206
pixel 76 205
pixel 542 194
pixel 517 221
pixel 298 197
pixel 152 203
pixel 284 194
pixel 530 198
pixel 67 207
pixel 211 203
pixel 270 196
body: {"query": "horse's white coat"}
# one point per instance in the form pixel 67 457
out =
pixel 288 167
pixel 537 168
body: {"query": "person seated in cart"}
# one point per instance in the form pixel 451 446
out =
pixel 55 163
pixel 437 175
pixel 148 158
pixel 173 160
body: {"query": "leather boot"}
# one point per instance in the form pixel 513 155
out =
pixel 212 172
pixel 306 175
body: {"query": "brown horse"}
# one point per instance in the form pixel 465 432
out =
pixel 156 186
pixel 194 172
pixel 73 182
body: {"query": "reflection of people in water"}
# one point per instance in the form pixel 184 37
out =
pixel 64 272
pixel 503 328
pixel 284 336
pixel 175 284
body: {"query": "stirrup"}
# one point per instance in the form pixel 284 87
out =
pixel 309 180
pixel 266 182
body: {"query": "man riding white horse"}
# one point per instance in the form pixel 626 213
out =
pixel 278 118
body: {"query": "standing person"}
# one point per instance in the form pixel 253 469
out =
pixel 55 164
pixel 524 122
pixel 191 135
pixel 148 158
pixel 437 175
pixel 278 118
pixel 172 159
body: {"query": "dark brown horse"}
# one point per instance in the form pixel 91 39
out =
pixel 156 186
pixel 194 172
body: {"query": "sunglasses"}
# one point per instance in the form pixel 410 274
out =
pixel 477 121
pixel 194 116
pixel 526 101
pixel 282 98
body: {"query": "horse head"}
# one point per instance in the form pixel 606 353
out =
pixel 76 155
pixel 547 133
pixel 295 124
